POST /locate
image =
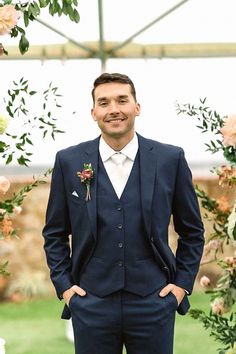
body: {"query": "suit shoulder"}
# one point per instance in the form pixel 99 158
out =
pixel 164 147
pixel 75 149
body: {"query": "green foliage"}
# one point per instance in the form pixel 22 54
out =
pixel 18 198
pixel 218 217
pixel 32 9
pixel 209 121
pixel 223 295
pixel 17 145
pixel 222 329
pixel 3 269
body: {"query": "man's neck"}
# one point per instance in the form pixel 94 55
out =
pixel 118 144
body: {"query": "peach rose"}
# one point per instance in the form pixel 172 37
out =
pixel 223 204
pixel 229 131
pixel 8 18
pixel 6 227
pixel 227 175
pixel 4 184
pixel 205 281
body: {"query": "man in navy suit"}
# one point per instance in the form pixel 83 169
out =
pixel 106 231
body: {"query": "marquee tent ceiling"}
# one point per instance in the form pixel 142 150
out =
pixel 135 29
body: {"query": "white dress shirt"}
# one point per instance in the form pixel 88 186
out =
pixel 106 152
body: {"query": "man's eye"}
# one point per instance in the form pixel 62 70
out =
pixel 102 104
pixel 123 101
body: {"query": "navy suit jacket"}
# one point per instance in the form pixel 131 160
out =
pixel 166 191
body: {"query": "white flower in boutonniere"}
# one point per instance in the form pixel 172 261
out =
pixel 85 177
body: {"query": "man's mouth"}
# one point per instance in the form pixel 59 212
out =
pixel 116 120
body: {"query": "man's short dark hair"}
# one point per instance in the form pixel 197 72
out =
pixel 114 77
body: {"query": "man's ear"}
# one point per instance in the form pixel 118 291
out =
pixel 93 114
pixel 138 109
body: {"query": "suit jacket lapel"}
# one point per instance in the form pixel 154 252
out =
pixel 92 152
pixel 147 179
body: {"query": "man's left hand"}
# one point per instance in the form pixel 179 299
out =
pixel 178 292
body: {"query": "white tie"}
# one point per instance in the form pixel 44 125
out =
pixel 119 177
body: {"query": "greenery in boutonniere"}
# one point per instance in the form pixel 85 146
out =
pixel 221 213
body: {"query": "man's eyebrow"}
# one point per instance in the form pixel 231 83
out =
pixel 106 98
pixel 102 99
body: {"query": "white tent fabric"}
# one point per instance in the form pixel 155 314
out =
pixel 161 80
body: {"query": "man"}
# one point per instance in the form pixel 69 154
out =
pixel 119 279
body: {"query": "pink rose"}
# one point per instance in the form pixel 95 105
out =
pixel 4 184
pixel 8 18
pixel 205 281
pixel 229 131
pixel 219 307
pixel 86 174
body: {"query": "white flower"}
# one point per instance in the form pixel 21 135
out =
pixel 205 281
pixel 232 224
pixel 4 120
pixel 4 184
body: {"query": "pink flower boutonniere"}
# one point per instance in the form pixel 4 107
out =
pixel 85 177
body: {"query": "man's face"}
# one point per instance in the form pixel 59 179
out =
pixel 115 110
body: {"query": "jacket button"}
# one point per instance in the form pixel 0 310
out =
pixel 119 208
pixel 120 244
pixel 152 239
pixel 120 264
pixel 120 226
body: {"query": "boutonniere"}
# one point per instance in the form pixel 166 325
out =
pixel 85 177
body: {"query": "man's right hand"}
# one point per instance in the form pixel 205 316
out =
pixel 75 289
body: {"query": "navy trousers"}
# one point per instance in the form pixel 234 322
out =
pixel 144 325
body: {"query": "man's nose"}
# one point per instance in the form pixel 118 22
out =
pixel 113 108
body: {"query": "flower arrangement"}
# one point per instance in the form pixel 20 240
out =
pixel 12 10
pixel 221 213
pixel 16 144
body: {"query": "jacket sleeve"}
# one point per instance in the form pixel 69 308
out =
pixel 56 232
pixel 188 225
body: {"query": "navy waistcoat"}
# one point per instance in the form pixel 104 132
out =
pixel 123 257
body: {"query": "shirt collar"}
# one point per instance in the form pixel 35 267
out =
pixel 130 150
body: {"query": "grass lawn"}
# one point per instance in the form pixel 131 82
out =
pixel 35 327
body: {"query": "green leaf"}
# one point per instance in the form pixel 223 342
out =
pixel 76 16
pixel 26 18
pixel 22 161
pixel 2 146
pixel 9 159
pixel 23 44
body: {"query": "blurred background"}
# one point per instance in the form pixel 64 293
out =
pixel 175 52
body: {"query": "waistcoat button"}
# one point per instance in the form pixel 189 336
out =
pixel 120 226
pixel 120 244
pixel 120 264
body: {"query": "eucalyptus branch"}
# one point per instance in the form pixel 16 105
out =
pixel 209 121
pixel 18 198
pixel 219 217
pixel 222 329
pixel 18 144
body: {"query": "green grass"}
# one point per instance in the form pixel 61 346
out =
pixel 35 327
